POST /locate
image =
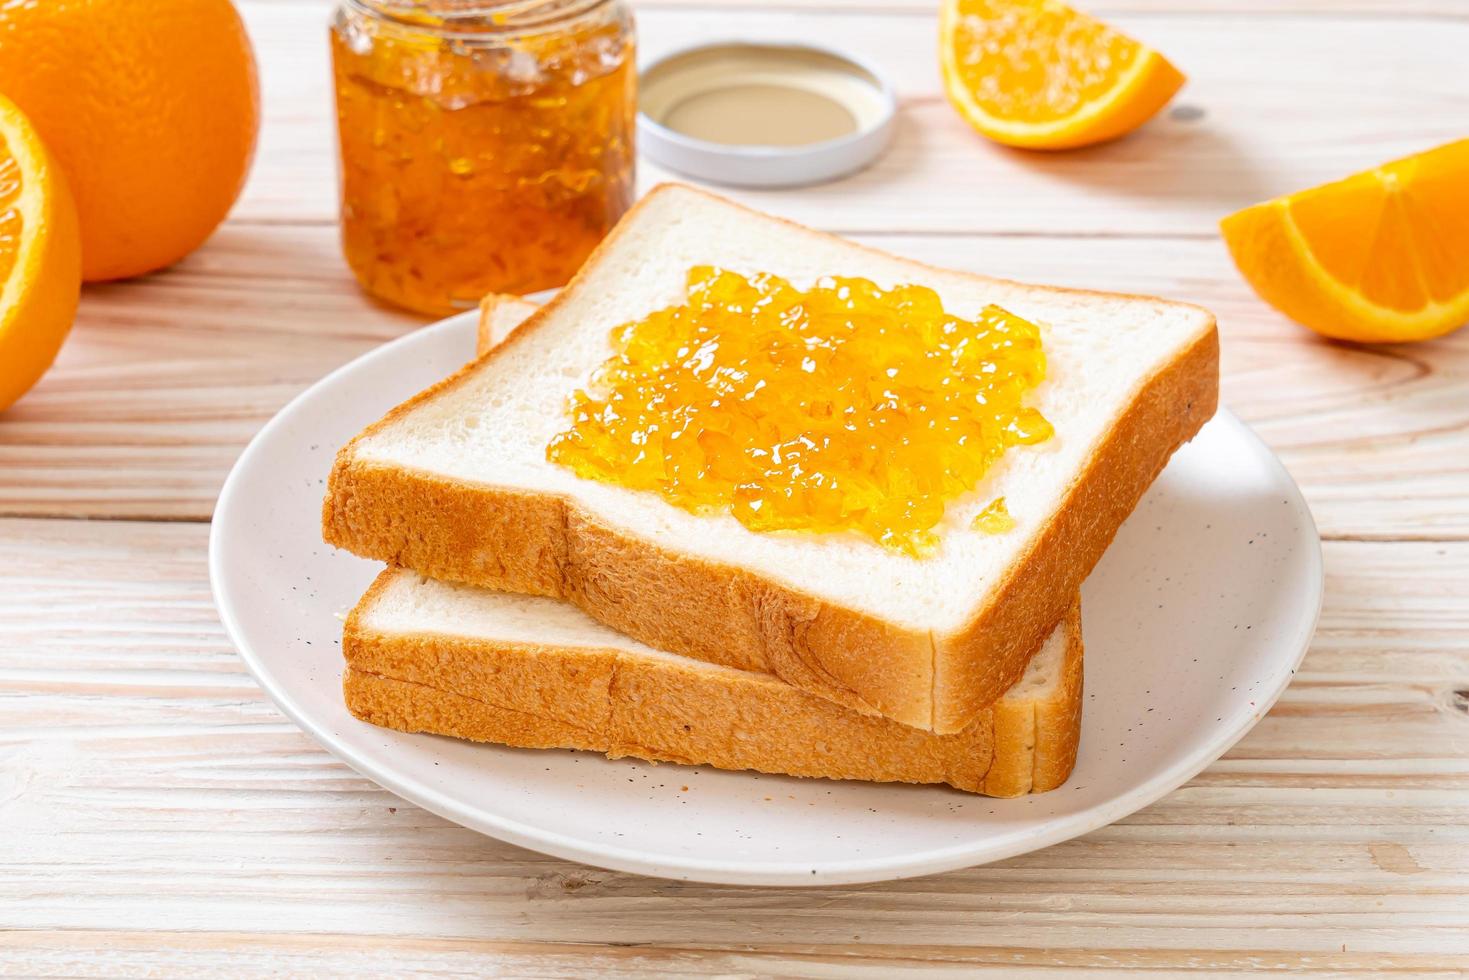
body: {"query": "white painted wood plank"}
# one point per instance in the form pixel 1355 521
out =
pixel 232 954
pixel 1286 102
pixel 162 818
pixel 186 803
pixel 165 379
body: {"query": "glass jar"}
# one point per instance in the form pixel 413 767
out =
pixel 485 146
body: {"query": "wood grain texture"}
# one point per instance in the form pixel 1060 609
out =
pixel 1237 140
pixel 1338 828
pixel 234 954
pixel 165 379
pixel 158 816
pixel 131 421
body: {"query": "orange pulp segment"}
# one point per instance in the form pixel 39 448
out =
pixel 1378 257
pixel 1042 75
pixel 40 256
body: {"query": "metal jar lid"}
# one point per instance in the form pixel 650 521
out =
pixel 760 114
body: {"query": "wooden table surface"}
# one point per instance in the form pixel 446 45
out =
pixel 159 816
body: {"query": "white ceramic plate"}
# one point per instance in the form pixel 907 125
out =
pixel 1194 621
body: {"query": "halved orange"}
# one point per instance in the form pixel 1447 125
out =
pixel 1380 257
pixel 1042 75
pixel 40 256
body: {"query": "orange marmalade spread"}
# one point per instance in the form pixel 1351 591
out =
pixel 486 145
pixel 841 407
pixel 994 519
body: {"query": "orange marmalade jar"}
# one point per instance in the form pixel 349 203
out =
pixel 485 146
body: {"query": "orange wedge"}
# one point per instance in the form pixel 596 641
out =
pixel 40 256
pixel 1380 257
pixel 1042 75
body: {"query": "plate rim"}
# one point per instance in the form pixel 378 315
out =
pixel 712 871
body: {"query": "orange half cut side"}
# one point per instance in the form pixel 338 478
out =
pixel 40 256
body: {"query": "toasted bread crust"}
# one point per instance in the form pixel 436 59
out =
pixel 1058 720
pixel 484 330
pixel 658 709
pixel 500 314
pixel 1036 740
pixel 991 651
pixel 545 545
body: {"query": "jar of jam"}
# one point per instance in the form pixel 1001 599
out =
pixel 485 146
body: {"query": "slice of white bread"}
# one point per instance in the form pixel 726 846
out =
pixel 455 483
pixel 429 656
pixel 499 314
pixel 424 656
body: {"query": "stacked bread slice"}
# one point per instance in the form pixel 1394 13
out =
pixel 429 656
pixel 530 607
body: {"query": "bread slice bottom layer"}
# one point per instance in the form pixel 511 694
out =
pixel 432 657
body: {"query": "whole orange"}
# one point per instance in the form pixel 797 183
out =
pixel 150 108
